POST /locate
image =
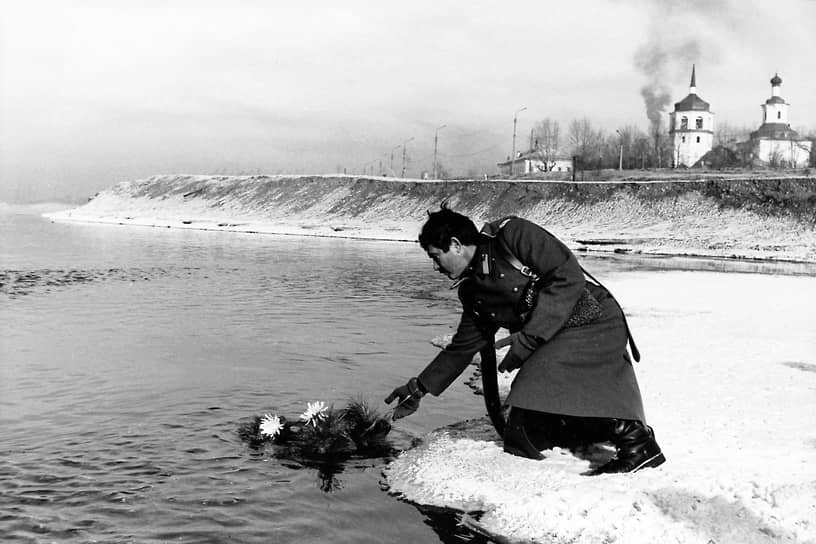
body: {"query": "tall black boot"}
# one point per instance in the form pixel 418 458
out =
pixel 516 440
pixel 636 448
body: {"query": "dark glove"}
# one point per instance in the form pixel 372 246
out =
pixel 521 347
pixel 408 395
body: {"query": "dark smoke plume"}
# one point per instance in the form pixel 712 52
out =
pixel 678 33
pixel 661 63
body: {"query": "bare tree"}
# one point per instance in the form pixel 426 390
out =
pixel 630 142
pixel 609 149
pixel 808 135
pixel 812 137
pixel 547 137
pixel 641 150
pixel 775 158
pixel 584 141
pixel 728 136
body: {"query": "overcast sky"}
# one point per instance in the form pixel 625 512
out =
pixel 97 92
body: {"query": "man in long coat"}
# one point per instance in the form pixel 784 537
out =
pixel 576 384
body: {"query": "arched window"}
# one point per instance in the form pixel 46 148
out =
pixel 699 122
pixel 779 115
pixel 683 123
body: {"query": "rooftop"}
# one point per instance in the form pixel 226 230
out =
pixel 775 131
pixel 536 155
pixel 692 103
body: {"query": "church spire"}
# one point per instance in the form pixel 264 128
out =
pixel 693 84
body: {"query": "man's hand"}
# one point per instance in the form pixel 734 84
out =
pixel 521 347
pixel 408 395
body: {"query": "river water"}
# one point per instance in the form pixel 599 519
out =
pixel 130 356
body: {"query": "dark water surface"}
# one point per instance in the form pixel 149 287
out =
pixel 130 356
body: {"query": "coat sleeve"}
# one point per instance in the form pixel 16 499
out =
pixel 454 359
pixel 562 280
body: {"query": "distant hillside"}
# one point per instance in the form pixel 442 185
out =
pixel 749 218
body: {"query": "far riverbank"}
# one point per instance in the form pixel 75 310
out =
pixel 771 219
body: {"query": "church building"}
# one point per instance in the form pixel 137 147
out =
pixel 775 143
pixel 691 128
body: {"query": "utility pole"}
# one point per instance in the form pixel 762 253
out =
pixel 513 156
pixel 404 151
pixel 436 140
pixel 620 160
pixel 392 158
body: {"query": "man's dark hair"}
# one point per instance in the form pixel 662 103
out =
pixel 445 224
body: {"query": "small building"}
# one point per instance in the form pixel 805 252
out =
pixel 534 162
pixel 691 127
pixel 775 143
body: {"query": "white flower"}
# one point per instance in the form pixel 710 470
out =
pixel 271 425
pixel 315 411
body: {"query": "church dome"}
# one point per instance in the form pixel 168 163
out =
pixel 776 80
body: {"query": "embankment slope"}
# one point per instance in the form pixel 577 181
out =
pixel 772 219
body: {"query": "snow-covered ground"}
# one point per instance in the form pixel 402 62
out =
pixel 729 383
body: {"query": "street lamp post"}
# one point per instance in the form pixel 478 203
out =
pixel 620 159
pixel 392 157
pixel 404 147
pixel 436 139
pixel 513 156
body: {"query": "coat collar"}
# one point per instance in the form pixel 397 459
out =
pixel 479 266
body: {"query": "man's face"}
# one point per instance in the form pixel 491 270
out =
pixel 452 262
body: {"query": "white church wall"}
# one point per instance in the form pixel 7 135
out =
pixel 791 153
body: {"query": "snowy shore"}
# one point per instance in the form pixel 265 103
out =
pixel 729 369
pixel 767 220
pixel 729 382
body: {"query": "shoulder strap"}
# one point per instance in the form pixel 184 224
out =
pixel 530 273
pixel 632 346
pixel 513 260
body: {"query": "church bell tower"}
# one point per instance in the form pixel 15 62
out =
pixel 691 127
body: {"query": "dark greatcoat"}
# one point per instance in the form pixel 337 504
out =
pixel 578 371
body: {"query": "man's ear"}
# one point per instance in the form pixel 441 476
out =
pixel 455 244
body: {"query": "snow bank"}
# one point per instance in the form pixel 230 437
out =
pixel 550 501
pixel 767 219
pixel 729 384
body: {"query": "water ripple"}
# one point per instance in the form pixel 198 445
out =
pixel 17 283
